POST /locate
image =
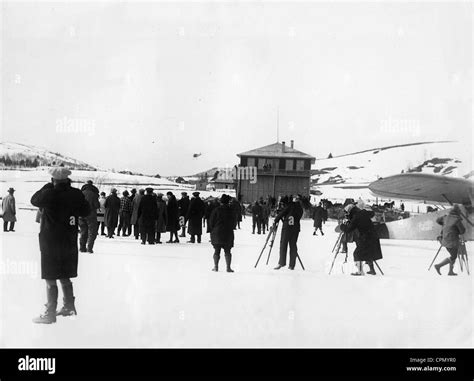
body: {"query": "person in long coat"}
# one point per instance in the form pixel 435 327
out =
pixel 134 218
pixel 88 225
pixel 194 217
pixel 162 217
pixel 9 211
pixel 101 214
pixel 367 241
pixel 221 224
pixel 235 204
pixel 318 218
pixel 452 229
pixel 183 205
pixel 61 205
pixel 133 193
pixel 173 217
pixel 265 216
pixel 112 208
pixel 147 217
pixel 210 206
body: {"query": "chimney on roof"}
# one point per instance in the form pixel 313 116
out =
pixel 292 142
pixel 283 146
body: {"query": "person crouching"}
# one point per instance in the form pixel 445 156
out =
pixel 221 225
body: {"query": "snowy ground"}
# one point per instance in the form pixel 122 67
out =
pixel 129 295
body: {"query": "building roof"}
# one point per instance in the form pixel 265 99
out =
pixel 275 150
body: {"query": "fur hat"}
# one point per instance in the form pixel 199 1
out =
pixel 59 173
pixel 225 199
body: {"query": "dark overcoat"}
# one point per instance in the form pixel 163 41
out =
pixel 367 241
pixel 221 224
pixel 61 207
pixel 173 214
pixel 147 211
pixel 112 208
pixel 194 216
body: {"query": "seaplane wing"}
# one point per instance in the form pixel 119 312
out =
pixel 425 187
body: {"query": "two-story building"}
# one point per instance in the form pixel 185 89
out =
pixel 281 170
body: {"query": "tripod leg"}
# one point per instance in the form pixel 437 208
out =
pixel 381 272
pixel 271 242
pixel 338 241
pixel 434 259
pixel 301 263
pixel 332 264
pixel 264 246
pixel 271 246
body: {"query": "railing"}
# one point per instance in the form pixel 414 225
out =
pixel 282 172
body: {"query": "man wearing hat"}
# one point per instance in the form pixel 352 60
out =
pixel 147 217
pixel 194 216
pixel 162 217
pixel 112 209
pixel 183 205
pixel 9 211
pixel 62 206
pixel 291 216
pixel 125 214
pixel 221 224
pixel 88 225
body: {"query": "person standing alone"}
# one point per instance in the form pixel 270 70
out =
pixel 88 225
pixel 221 225
pixel 9 211
pixel 62 205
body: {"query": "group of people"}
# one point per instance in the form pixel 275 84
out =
pixel 147 214
pixel 64 211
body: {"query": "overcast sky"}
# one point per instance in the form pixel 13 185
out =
pixel 150 84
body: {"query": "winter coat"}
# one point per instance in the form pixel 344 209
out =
pixel 221 224
pixel 162 216
pixel 183 205
pixel 210 206
pixel 9 209
pixel 318 216
pixel 61 206
pixel 367 241
pixel 147 211
pixel 91 194
pixel 125 206
pixel 173 214
pixel 237 210
pixel 194 215
pixel 291 216
pixel 112 207
pixel 135 205
pixel 452 228
pixel 257 212
pixel 101 210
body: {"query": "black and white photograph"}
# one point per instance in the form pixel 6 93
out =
pixel 237 175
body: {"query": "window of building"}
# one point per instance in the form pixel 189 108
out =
pixel 289 165
pixel 251 162
pixel 299 165
pixel 261 163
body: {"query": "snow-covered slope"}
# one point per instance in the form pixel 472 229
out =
pixel 449 158
pixel 23 155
